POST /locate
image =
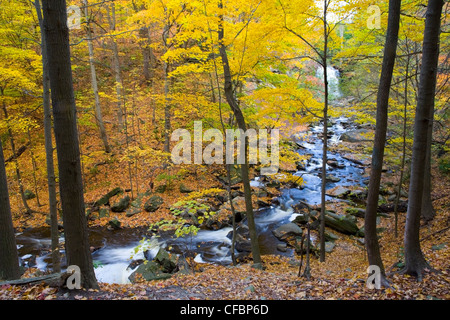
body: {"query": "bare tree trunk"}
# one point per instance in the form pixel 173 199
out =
pixel 415 262
pixel 33 163
pixel 325 134
pixel 67 144
pixel 51 177
pixel 402 166
pixel 231 99
pixel 167 108
pixel 390 47
pixel 98 110
pixel 9 259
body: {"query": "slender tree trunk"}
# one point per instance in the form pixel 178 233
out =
pixel 51 177
pixel 402 166
pixel 9 259
pixel 33 163
pixel 67 144
pixel 325 135
pixel 390 47
pixel 98 110
pixel 167 108
pixel 231 99
pixel 415 262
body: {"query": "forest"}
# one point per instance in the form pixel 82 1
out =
pixel 224 150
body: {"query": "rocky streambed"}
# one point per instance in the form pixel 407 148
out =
pixel 119 253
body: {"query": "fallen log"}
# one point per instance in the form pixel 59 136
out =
pixel 52 280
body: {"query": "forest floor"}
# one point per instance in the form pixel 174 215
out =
pixel 342 276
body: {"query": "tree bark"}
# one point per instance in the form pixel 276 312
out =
pixel 325 135
pixel 231 99
pixel 67 144
pixel 51 177
pixel 9 259
pixel 415 262
pixel 370 224
pixel 98 110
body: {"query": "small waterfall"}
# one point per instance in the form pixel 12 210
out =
pixel 333 81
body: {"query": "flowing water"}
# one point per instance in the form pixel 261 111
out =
pixel 118 248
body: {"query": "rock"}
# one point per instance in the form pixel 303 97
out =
pixel 301 219
pixel 184 189
pixel 361 159
pixel 330 236
pixel 121 205
pixel 329 246
pixel 243 244
pixel 354 136
pixel 168 263
pixel 262 203
pixel 338 192
pixel 161 189
pixel 132 211
pixel 235 174
pixel 286 231
pixel 103 212
pixel 357 212
pixel 332 178
pixel 160 268
pixel 341 223
pixel 105 199
pixel 149 271
pixel 29 195
pixel 114 224
pixel 153 203
pixel 282 247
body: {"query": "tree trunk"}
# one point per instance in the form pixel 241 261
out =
pixel 231 99
pixel 325 135
pixel 67 144
pixel 9 259
pixel 403 161
pixel 415 262
pixel 98 110
pixel 371 239
pixel 427 210
pixel 51 177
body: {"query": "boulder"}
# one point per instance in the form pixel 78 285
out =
pixel 287 231
pixel 354 136
pixel 160 268
pixel 29 194
pixel 132 211
pixel 341 223
pixel 105 199
pixel 153 203
pixel 114 224
pixel 121 205
pixel 184 189
pixel 338 192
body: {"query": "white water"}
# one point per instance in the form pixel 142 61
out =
pixel 333 81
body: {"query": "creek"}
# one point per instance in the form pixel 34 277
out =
pixel 117 247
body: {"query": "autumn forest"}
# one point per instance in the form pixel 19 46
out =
pixel 224 150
